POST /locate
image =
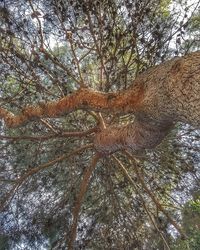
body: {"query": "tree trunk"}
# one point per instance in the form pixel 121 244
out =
pixel 159 98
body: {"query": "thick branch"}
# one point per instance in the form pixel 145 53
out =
pixel 159 98
pixel 85 99
pixel 136 136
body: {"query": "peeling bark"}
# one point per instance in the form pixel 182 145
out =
pixel 159 98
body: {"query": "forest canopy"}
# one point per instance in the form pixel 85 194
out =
pixel 96 150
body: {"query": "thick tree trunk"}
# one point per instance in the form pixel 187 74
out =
pixel 135 136
pixel 158 98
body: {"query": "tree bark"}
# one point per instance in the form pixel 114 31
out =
pixel 84 98
pixel 159 97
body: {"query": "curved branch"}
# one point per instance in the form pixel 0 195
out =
pixel 85 99
pixel 159 97
pixel 83 189
pixel 169 91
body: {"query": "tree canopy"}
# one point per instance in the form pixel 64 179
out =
pixel 92 156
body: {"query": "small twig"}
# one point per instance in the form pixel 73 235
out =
pixel 86 54
pixel 59 64
pixel 97 48
pixel 39 24
pixel 68 36
pixel 82 85
pixel 48 125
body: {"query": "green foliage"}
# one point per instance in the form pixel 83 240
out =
pixel 164 5
pixel 192 29
pixel 192 243
pixel 48 50
pixel 195 22
pixel 195 205
pixel 4 242
pixel 191 222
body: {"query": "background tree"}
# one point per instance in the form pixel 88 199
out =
pixel 50 49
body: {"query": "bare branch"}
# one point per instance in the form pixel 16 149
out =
pixel 125 172
pixel 63 134
pixel 154 199
pixel 79 200
pixel 35 170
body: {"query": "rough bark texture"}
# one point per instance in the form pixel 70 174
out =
pixel 158 98
pixel 171 93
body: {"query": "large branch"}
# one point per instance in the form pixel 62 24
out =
pixel 136 136
pixel 84 98
pixel 159 98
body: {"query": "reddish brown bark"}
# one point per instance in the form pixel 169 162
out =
pixel 158 98
pixel 85 99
